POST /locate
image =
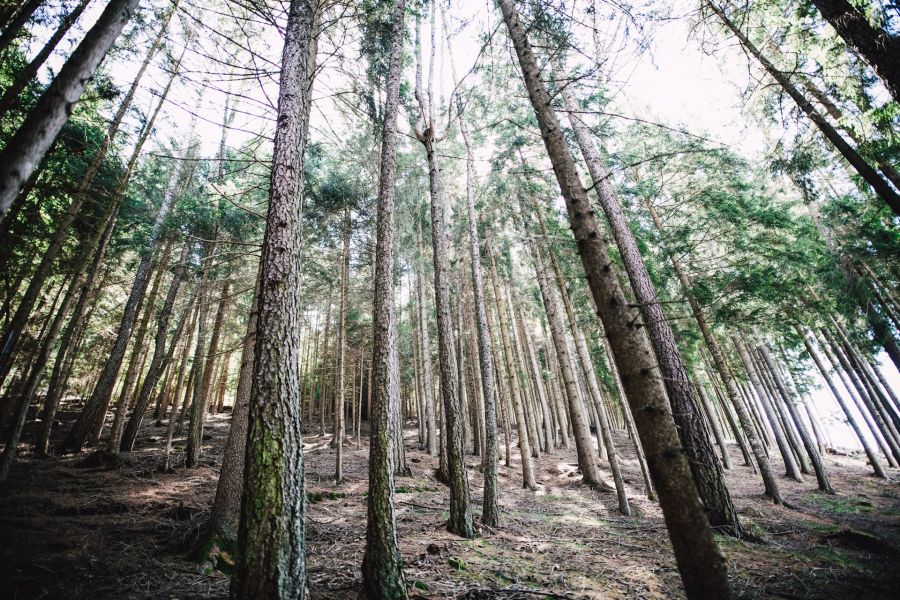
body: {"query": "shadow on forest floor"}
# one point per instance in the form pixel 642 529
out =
pixel 103 530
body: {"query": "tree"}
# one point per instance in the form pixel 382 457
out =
pixel 382 569
pixel 701 565
pixel 33 138
pixel 875 45
pixel 271 542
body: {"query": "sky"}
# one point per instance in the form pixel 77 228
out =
pixel 688 77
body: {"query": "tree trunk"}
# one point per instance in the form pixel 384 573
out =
pixel 721 368
pixel 587 461
pixel 14 18
pixel 226 508
pixel 701 456
pixel 490 510
pixel 851 420
pixel 184 369
pixel 790 465
pixel 381 568
pixel 342 354
pixel 101 394
pixel 36 134
pixel 425 348
pixel 604 433
pixel 808 443
pixel 27 73
pixel 878 184
pixel 160 357
pixel 701 565
pixel 876 46
pixel 528 481
pixel 199 409
pixel 272 545
pixel 135 362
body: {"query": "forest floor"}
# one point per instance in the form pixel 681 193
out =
pixel 77 528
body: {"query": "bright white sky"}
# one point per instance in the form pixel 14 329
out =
pixel 673 82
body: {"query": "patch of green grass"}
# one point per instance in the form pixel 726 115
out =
pixel 842 505
pixel 314 497
pixel 837 557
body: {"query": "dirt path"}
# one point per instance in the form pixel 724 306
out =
pixel 96 530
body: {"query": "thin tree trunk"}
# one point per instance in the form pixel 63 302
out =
pixel 178 409
pixel 133 372
pixel 528 480
pixel 808 443
pixel 226 507
pixel 381 568
pixel 28 72
pixel 14 19
pixel 878 184
pixel 342 354
pixel 36 134
pixel 721 368
pixel 790 464
pixel 101 394
pixel 425 348
pixel 587 461
pixel 851 420
pixel 161 357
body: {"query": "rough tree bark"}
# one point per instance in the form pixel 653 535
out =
pixel 699 560
pixel 271 542
pixel 381 568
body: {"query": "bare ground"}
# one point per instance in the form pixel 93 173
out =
pixel 76 529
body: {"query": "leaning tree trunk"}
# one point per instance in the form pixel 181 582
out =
pixel 605 439
pixel 66 355
pixel 27 73
pixel 699 560
pixel 13 18
pixel 201 402
pixel 528 480
pixel 851 420
pixel 99 398
pixel 587 461
pixel 135 361
pixel 160 357
pixel 865 170
pixel 724 373
pixel 876 46
pixel 808 443
pixel 707 470
pixel 222 528
pixel 35 135
pixel 271 541
pixel 382 565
